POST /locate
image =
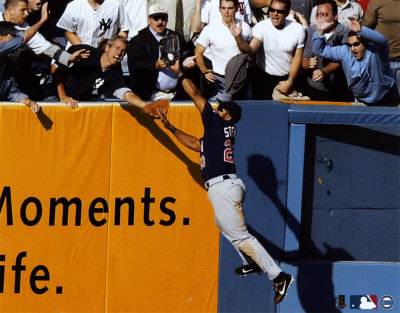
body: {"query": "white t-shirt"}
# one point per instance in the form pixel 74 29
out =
pixel 92 25
pixel 278 45
pixel 210 11
pixel 137 13
pixel 221 43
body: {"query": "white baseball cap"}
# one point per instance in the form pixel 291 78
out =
pixel 157 9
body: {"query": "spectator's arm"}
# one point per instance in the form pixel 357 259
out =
pixel 32 104
pixel 123 33
pixel 196 24
pixel 73 38
pixel 208 73
pixel 260 3
pixel 12 44
pixel 134 99
pixel 244 47
pixel 31 31
pixel 284 86
pixel 58 76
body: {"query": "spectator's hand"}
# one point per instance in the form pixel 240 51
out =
pixel 35 108
pixel 284 86
pixel 164 119
pixel 160 64
pixel 45 12
pixel 70 102
pixel 299 18
pixel 209 76
pixel 317 76
pixel 355 25
pixel 176 66
pixel 322 24
pixel 313 62
pixel 189 62
pixel 79 55
pixel 236 30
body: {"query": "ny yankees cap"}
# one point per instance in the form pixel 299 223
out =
pixel 157 9
pixel 7 28
pixel 234 109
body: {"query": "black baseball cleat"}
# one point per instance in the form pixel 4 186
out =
pixel 282 287
pixel 248 269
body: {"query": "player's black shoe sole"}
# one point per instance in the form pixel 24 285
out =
pixel 282 287
pixel 248 269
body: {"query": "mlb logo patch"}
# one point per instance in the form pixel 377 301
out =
pixel 363 302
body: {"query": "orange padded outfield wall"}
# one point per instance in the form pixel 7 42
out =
pixel 102 210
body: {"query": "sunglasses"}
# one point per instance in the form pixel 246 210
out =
pixel 355 44
pixel 157 17
pixel 272 10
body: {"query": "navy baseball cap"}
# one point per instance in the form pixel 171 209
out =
pixel 235 111
pixel 7 28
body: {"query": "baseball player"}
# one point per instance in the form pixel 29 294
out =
pixel 225 190
pixel 89 21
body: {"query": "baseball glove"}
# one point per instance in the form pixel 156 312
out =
pixel 170 50
pixel 151 109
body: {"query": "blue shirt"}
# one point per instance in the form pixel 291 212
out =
pixel 217 145
pixel 369 78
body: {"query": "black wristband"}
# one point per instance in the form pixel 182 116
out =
pixel 181 78
pixel 172 129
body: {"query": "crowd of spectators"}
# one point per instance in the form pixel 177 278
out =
pixel 323 50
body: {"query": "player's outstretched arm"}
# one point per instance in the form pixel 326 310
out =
pixel 190 88
pixel 187 140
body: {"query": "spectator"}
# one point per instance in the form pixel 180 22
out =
pixel 207 11
pixel 365 62
pixel 279 60
pixel 218 38
pixel 325 80
pixel 150 76
pixel 10 40
pixel 384 17
pixel 100 75
pixel 346 9
pixel 89 21
pixel 303 7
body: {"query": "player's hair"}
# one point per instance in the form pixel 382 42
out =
pixel 332 3
pixel 287 3
pixel 13 3
pixel 234 109
pixel 111 41
pixel 235 2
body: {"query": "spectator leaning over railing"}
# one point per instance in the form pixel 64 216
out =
pixel 325 80
pixel 10 40
pixel 365 62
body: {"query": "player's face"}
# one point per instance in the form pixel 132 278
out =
pixel 19 13
pixel 228 10
pixel 356 47
pixel 224 113
pixel 4 38
pixel 34 5
pixel 116 52
pixel 158 23
pixel 325 11
pixel 277 14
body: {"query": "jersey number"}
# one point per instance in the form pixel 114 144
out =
pixel 228 152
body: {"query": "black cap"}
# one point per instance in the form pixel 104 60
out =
pixel 235 111
pixel 7 28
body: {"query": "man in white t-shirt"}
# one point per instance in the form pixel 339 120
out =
pixel 89 21
pixel 222 46
pixel 279 59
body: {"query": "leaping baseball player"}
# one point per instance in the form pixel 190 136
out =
pixel 225 190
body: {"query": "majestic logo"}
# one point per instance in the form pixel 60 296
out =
pixel 386 302
pixel 364 302
pixel 105 25
pixel 341 302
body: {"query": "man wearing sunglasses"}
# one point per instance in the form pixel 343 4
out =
pixel 365 62
pixel 226 191
pixel 151 79
pixel 279 59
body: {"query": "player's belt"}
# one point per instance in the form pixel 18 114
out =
pixel 218 179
